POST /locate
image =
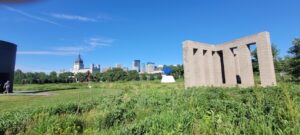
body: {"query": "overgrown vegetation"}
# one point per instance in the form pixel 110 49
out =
pixel 148 107
pixel 294 61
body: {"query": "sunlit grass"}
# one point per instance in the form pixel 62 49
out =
pixel 149 107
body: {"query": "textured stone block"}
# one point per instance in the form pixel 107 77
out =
pixel 228 64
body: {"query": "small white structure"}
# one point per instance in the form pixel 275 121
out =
pixel 167 79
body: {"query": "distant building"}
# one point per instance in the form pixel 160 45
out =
pixel 143 68
pixel 79 67
pixel 136 65
pixel 160 67
pixel 118 66
pixel 106 69
pixel 125 69
pixel 150 67
pixel 7 65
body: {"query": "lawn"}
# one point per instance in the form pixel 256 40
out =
pixel 76 92
pixel 149 107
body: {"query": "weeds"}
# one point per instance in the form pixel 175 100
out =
pixel 165 109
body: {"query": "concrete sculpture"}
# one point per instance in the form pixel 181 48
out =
pixel 228 64
pixel 7 64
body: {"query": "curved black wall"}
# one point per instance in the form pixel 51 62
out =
pixel 7 63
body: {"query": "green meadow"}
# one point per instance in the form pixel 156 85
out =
pixel 149 107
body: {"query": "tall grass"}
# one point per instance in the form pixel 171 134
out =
pixel 154 108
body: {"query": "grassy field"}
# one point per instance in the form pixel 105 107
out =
pixel 151 108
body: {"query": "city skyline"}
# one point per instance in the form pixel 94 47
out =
pixel 50 34
pixel 79 66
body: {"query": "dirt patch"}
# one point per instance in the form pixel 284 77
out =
pixel 28 93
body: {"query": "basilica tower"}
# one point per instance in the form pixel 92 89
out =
pixel 78 63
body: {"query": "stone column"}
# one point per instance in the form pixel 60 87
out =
pixel 193 65
pixel 209 69
pixel 265 60
pixel 198 67
pixel 187 65
pixel 229 66
pixel 245 63
pixel 217 69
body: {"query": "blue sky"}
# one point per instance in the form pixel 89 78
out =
pixel 50 33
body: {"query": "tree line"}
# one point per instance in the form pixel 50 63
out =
pixel 112 75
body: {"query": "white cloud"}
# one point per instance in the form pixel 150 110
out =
pixel 90 45
pixel 98 41
pixel 73 17
pixel 31 16
pixel 70 49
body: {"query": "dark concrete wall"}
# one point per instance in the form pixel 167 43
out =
pixel 7 63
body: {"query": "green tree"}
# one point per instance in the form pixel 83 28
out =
pixel 132 75
pixel 97 76
pixel 116 74
pixel 276 59
pixel 41 77
pixel 19 76
pixel 177 71
pixel 295 49
pixel 294 61
pixel 81 77
pixel 65 77
pixel 107 76
pixel 158 76
pixel 143 76
pixel 151 77
pixel 119 74
pixel 30 77
pixel 285 64
pixel 53 77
